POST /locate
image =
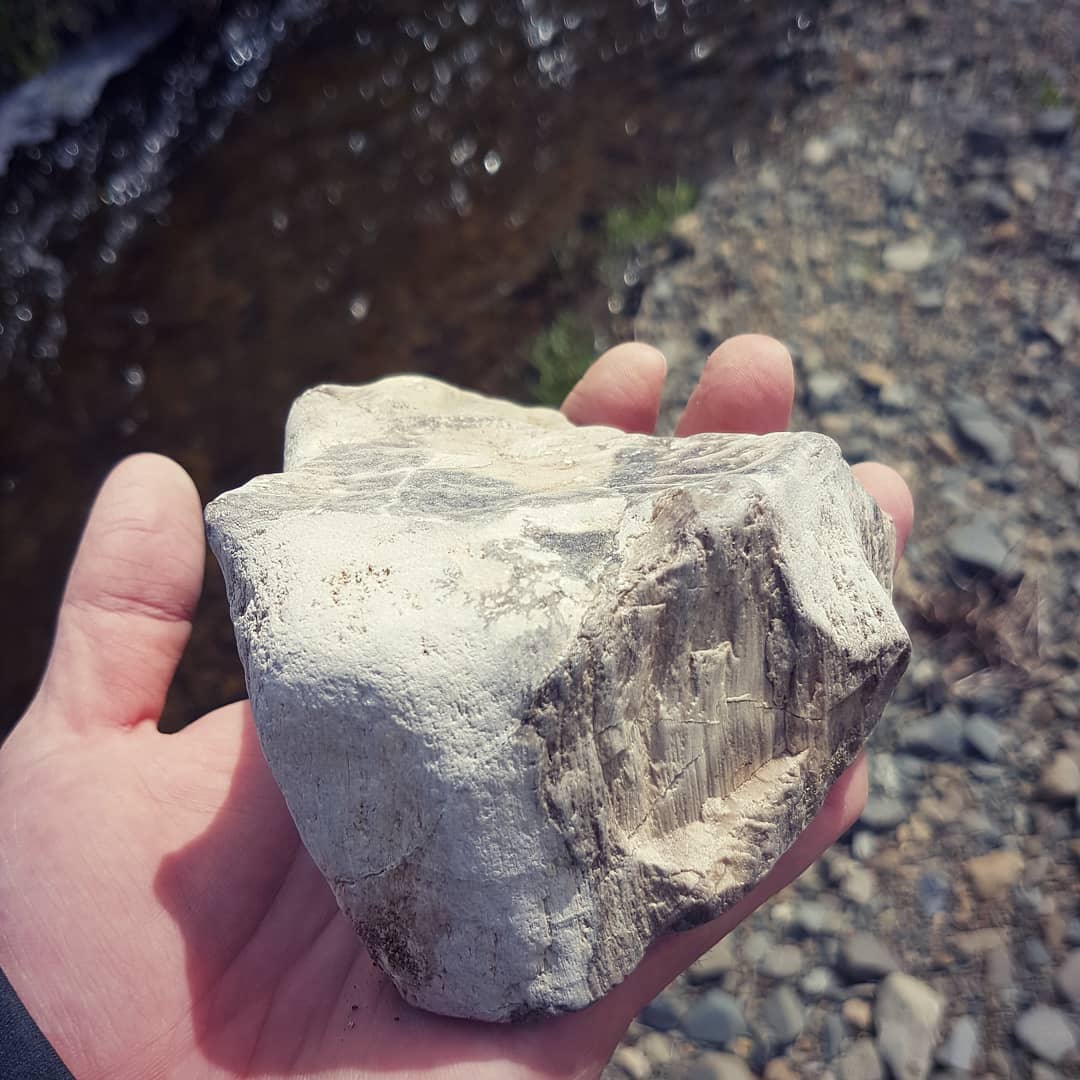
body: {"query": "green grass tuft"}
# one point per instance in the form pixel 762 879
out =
pixel 628 227
pixel 1050 95
pixel 560 355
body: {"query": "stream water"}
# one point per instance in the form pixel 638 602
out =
pixel 305 192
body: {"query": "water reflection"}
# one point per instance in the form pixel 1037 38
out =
pixel 388 197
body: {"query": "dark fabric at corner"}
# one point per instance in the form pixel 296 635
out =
pixel 25 1054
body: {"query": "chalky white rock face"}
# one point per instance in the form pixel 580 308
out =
pixel 538 694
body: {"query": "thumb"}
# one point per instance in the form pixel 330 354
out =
pixel 126 613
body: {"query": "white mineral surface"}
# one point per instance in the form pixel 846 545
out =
pixel 537 694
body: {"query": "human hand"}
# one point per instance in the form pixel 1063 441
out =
pixel 158 913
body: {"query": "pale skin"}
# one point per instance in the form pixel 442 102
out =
pixel 158 914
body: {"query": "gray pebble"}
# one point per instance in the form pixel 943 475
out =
pixel 907 1016
pixel 860 1062
pixel 937 736
pixel 864 957
pixel 978 545
pixel 1047 1033
pixel 782 1015
pixel 717 1067
pixel 833 1036
pixel 908 256
pixel 713 965
pixel 818 982
pixel 984 736
pixel 961 1048
pixel 664 1011
pixel 900 184
pixel 934 892
pixel 782 962
pixel 825 388
pixel 715 1020
pixel 883 813
pixel 863 845
pixel 978 426
pixel 1053 125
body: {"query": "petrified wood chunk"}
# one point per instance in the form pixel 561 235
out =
pixel 536 694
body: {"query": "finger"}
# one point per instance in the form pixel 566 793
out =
pixel 126 613
pixel 747 386
pixel 621 390
pixel 892 494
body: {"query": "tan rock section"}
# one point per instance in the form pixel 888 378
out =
pixel 537 694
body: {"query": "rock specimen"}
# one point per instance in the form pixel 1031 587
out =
pixel 537 694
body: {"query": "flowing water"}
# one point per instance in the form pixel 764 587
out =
pixel 306 192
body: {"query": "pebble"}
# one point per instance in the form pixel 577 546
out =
pixel 900 184
pixel 779 1069
pixel 664 1011
pixel 833 1036
pixel 825 388
pixel 981 428
pixel 818 152
pixel 718 1067
pixel 857 1013
pixel 632 1062
pixel 989 136
pixel 992 875
pixel 984 736
pixel 929 300
pixel 939 736
pixel 658 1048
pixel 1046 1032
pixel 978 545
pixel 859 885
pixel 1067 979
pixel 861 1061
pixel 1060 781
pixel 907 1016
pixel 817 982
pixel 783 1016
pixel 883 813
pixel 909 256
pixel 864 958
pixel 934 892
pixel 782 962
pixel 713 965
pixel 961 1048
pixel 863 845
pixel 715 1019
pixel 1053 125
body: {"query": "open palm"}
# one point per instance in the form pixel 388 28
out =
pixel 158 913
